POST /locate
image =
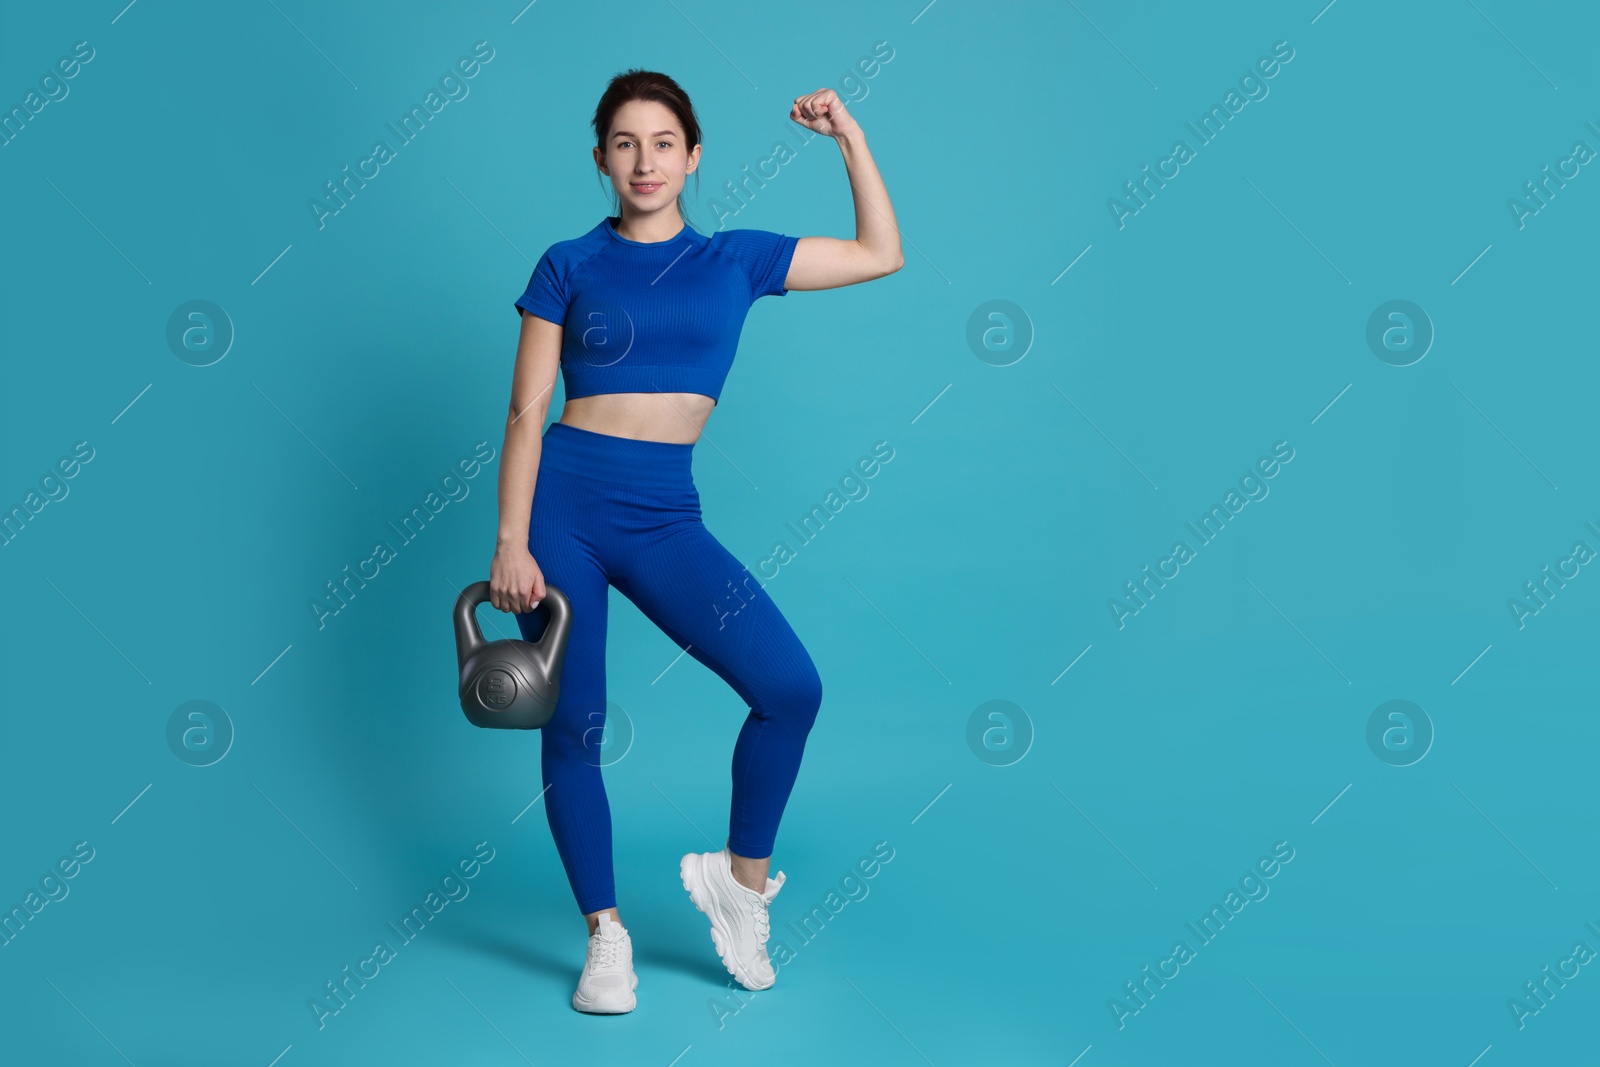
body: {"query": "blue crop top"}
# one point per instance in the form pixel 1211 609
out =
pixel 643 316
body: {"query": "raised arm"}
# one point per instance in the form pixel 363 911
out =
pixel 830 262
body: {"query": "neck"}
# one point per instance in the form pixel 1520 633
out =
pixel 656 226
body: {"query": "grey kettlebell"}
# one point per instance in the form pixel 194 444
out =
pixel 510 684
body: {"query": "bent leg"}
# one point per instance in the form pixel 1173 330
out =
pixel 703 598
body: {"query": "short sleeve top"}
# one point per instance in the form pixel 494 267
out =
pixel 649 316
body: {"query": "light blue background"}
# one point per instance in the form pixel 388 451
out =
pixel 1231 713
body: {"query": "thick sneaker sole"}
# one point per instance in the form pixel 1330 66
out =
pixel 596 1007
pixel 691 869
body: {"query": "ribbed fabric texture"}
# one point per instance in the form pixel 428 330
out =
pixel 665 316
pixel 613 511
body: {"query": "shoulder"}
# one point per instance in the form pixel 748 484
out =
pixel 567 255
pixel 756 251
pixel 744 241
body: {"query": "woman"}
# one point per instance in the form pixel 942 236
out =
pixel 642 315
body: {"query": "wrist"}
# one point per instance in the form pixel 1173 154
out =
pixel 851 138
pixel 511 539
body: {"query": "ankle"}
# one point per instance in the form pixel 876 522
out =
pixel 594 919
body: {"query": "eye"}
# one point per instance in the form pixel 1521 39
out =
pixel 667 143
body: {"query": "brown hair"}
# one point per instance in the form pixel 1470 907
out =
pixel 638 84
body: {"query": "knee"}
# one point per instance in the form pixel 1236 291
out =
pixel 801 693
pixel 573 736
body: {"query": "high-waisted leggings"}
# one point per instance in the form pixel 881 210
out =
pixel 622 512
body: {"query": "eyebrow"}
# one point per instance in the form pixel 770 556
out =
pixel 658 133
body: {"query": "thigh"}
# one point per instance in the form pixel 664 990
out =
pixel 709 603
pixel 558 542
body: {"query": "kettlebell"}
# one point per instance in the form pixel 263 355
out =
pixel 510 684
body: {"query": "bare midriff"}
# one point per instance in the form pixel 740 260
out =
pixel 673 417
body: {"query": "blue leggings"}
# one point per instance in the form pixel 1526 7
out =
pixel 623 512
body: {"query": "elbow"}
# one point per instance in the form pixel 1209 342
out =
pixel 891 265
pixel 523 414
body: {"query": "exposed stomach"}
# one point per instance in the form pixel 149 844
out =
pixel 674 417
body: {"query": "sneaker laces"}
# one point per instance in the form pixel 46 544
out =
pixel 603 952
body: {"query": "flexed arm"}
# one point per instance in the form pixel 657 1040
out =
pixel 829 262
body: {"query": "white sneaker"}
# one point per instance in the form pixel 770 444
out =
pixel 607 983
pixel 738 915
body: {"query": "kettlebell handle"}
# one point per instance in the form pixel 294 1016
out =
pixel 469 638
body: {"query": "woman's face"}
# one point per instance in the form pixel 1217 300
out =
pixel 645 156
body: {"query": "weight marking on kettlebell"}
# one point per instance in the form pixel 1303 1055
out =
pixel 497 689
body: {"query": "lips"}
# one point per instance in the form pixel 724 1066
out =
pixel 646 187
